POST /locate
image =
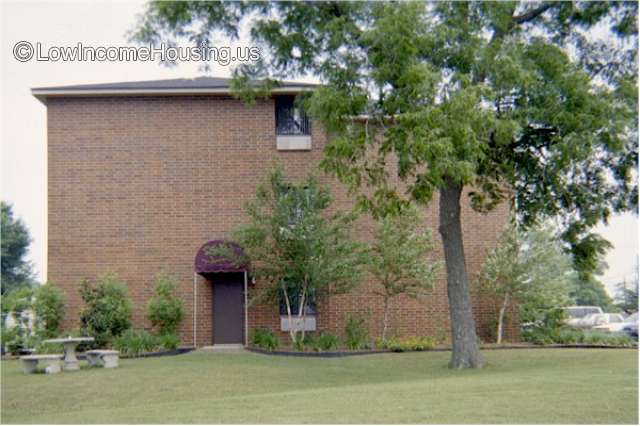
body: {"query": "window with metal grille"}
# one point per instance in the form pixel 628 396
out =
pixel 290 118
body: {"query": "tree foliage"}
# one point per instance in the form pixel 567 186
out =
pixel 628 297
pixel 48 307
pixel 16 270
pixel 589 291
pixel 165 309
pixel 529 268
pixel 398 261
pixel 107 311
pixel 297 249
pixel 514 99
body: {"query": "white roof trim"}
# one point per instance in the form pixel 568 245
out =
pixel 43 94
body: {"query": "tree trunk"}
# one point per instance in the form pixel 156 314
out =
pixel 503 308
pixel 292 330
pixel 466 353
pixel 385 318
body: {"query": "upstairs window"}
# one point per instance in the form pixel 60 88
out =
pixel 291 120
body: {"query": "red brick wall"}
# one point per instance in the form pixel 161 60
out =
pixel 138 184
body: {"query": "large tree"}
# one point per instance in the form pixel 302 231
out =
pixel 512 99
pixel 16 270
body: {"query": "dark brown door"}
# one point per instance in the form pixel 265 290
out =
pixel 228 308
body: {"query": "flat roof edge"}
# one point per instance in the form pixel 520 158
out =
pixel 43 93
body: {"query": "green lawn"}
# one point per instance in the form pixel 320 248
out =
pixel 517 386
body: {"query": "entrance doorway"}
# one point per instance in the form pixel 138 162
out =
pixel 228 308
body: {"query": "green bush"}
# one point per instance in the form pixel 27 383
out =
pixel 134 342
pixel 574 336
pixel 21 341
pixel 107 311
pixel 301 343
pixel 11 339
pixel 169 341
pixel 265 339
pixel 165 310
pixel 408 344
pixel 48 307
pixel 49 348
pixel 325 342
pixel 16 304
pixel 357 333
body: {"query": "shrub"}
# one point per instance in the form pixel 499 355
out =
pixel 326 342
pixel 134 342
pixel 108 309
pixel 265 339
pixel 48 306
pixel 169 341
pixel 165 310
pixel 49 348
pixel 301 343
pixel 357 334
pixel 17 304
pixel 409 344
pixel 11 339
pixel 573 336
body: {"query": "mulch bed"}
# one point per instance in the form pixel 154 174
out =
pixel 327 354
pixel 338 354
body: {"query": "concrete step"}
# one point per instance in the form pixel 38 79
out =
pixel 223 348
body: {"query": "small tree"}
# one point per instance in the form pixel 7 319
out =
pixel 165 310
pixel 48 306
pixel 298 250
pixel 108 308
pixel 16 269
pixel 532 269
pixel 397 259
pixel 628 296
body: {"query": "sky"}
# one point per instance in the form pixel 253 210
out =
pixel 99 23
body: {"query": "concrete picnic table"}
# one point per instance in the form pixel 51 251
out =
pixel 70 343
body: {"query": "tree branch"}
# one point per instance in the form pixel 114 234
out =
pixel 532 14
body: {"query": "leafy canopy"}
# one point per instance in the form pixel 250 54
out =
pixel 495 95
pixel 531 268
pixel 107 311
pixel 165 310
pixel 16 270
pixel 297 248
pixel 398 256
pixel 48 306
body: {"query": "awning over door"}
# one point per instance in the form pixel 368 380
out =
pixel 221 256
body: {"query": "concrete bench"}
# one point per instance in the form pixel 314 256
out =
pixel 103 357
pixel 51 362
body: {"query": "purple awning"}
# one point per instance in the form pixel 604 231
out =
pixel 221 256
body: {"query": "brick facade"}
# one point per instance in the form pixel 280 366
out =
pixel 137 184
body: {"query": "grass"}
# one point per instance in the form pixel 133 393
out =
pixel 517 386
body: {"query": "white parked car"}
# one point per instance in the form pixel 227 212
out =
pixel 595 320
pixel 617 327
pixel 577 313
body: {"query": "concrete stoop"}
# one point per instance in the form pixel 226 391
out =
pixel 229 348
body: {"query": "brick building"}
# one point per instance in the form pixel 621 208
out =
pixel 142 175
